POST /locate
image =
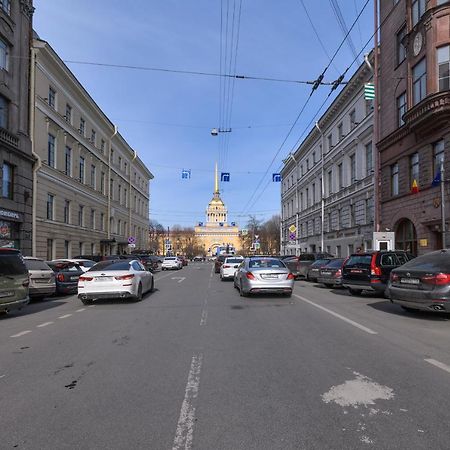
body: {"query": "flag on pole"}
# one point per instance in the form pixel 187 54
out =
pixel 414 187
pixel 436 180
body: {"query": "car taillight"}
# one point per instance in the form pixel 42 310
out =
pixel 290 276
pixel 250 276
pixel 125 277
pixel 338 273
pixel 60 277
pixel 83 278
pixel 374 269
pixel 226 266
pixel 394 277
pixel 440 279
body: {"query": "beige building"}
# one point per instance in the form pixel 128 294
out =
pixel 217 232
pixel 92 190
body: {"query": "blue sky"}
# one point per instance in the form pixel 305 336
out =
pixel 167 117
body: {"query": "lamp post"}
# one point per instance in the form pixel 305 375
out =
pixel 322 188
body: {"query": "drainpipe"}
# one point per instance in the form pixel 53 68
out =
pixel 37 163
pixel 129 194
pixel 109 183
pixel 322 188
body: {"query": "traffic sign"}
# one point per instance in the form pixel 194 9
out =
pixel 244 232
pixel 256 245
pixel 292 228
pixel 132 240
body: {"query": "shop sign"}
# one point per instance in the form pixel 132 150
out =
pixel 7 214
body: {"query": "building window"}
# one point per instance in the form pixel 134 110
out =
pixel 313 189
pixel 4 55
pixel 49 249
pixel 68 161
pixel 92 219
pixel 66 249
pixel 419 81
pixel 125 195
pixel 93 175
pixel 120 162
pixel 102 221
pixel 369 159
pixel 417 9
pixel 340 177
pixel 307 164
pixel 405 236
pixel 82 166
pixel 66 211
pixel 80 248
pixel 93 137
pixel 369 211
pixel 438 156
pixel 111 153
pixel 8 181
pixel 301 170
pixel 50 206
pixel 330 182
pixel 68 115
pixel 4 112
pixel 340 130
pixel 102 183
pixel 119 227
pixel 111 189
pixel 301 201
pixel 51 97
pixel 102 145
pixel 352 117
pixel 307 197
pixel 5 5
pixel 51 150
pixel 353 168
pixel 401 109
pixel 330 141
pixel 401 50
pixel 82 129
pixel 414 167
pixel 81 215
pixel 394 179
pixel 125 167
pixel 443 56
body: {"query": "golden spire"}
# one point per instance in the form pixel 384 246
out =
pixel 216 182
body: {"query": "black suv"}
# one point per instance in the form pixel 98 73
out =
pixel 370 270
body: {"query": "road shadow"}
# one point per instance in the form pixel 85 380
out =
pixel 35 306
pixel 390 308
pixel 121 301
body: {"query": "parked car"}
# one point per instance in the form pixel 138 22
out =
pixel 14 280
pixel 263 275
pixel 423 283
pixel 299 265
pixel 125 279
pixel 219 261
pixel 66 276
pixel 42 278
pixel 331 274
pixel 314 269
pixel 85 264
pixel 171 263
pixel 229 267
pixel 184 260
pixel 150 262
pixel 370 270
pixel 198 258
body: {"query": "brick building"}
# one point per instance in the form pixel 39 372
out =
pixel 414 119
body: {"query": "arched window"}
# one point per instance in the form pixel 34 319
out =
pixel 406 237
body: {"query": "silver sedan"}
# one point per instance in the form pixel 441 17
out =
pixel 259 275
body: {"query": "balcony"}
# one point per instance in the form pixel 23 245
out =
pixel 431 113
pixel 8 138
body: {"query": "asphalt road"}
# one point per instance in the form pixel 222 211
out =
pixel 196 366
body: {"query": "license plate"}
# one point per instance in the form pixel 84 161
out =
pixel 269 276
pixel 104 279
pixel 6 294
pixel 41 281
pixel 356 271
pixel 326 273
pixel 409 280
pixel 74 278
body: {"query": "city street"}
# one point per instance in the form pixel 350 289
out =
pixel 194 365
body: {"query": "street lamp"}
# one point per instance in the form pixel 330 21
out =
pixel 322 186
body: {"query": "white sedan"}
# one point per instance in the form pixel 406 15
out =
pixel 171 262
pixel 229 267
pixel 125 279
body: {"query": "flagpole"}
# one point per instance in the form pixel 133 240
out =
pixel 443 204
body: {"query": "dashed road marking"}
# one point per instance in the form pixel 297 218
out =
pixel 65 316
pixel 45 324
pixel 345 319
pixel 22 333
pixel 2 376
pixel 185 428
pixel 180 279
pixel 436 363
pixel 81 310
pixel 204 317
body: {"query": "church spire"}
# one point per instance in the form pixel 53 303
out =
pixel 216 182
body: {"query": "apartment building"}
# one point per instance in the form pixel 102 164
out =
pixel 414 92
pixel 16 160
pixel 327 183
pixel 92 189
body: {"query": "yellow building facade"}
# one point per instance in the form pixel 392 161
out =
pixel 216 232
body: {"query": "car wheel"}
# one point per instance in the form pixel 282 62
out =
pixel 328 285
pixel 354 291
pixel 241 291
pixel 139 293
pixel 86 301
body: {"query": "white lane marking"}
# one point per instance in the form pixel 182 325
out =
pixel 64 316
pixel 204 317
pixel 22 333
pixel 45 324
pixel 345 319
pixel 438 364
pixel 180 279
pixel 164 276
pixel 185 428
pixel 81 310
pixel 91 306
pixel 2 376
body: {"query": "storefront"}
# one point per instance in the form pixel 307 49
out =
pixel 10 223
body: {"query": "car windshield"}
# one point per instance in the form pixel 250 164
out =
pixel 233 260
pixel 334 263
pixel 170 259
pixel 320 262
pixel 11 264
pixel 86 263
pixel 359 260
pixel 265 263
pixel 108 265
pixel 36 264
